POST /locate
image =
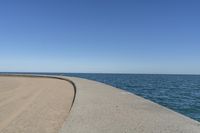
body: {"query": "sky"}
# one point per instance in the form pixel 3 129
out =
pixel 100 36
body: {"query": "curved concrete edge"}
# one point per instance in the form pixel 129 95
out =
pixel 100 108
pixel 45 76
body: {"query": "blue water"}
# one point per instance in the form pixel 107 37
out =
pixel 180 93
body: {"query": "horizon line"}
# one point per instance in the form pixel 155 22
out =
pixel 105 73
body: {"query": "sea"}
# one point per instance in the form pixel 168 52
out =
pixel 180 93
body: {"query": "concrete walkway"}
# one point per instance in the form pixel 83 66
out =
pixel 34 105
pixel 99 108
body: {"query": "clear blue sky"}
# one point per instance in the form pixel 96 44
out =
pixel 126 36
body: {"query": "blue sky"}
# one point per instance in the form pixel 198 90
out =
pixel 111 36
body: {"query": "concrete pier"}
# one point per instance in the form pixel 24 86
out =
pixel 100 108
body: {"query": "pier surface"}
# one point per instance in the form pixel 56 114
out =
pixel 41 105
pixel 33 105
pixel 100 108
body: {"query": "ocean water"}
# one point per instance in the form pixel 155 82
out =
pixel 180 93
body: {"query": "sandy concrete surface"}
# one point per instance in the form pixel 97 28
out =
pixel 99 108
pixel 34 105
